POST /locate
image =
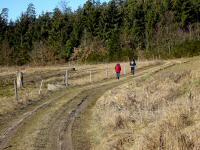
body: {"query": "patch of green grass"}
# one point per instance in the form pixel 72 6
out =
pixel 145 77
pixel 197 82
pixel 6 92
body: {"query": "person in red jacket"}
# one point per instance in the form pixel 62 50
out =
pixel 118 70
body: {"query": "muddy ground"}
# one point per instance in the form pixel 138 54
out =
pixel 55 122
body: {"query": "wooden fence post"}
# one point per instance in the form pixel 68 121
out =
pixel 16 90
pixel 66 78
pixel 19 80
pixel 106 72
pixel 40 90
pixel 90 76
pixel 125 69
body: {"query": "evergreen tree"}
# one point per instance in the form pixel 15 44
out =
pixel 116 30
pixel 3 23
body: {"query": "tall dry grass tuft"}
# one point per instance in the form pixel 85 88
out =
pixel 158 112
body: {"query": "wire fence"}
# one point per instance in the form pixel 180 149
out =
pixel 28 86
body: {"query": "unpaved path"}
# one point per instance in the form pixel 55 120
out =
pixel 49 125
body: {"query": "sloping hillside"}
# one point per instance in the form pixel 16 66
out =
pixel 161 111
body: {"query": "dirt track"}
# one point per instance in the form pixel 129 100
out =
pixel 49 125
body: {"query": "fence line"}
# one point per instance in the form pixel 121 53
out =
pixel 71 77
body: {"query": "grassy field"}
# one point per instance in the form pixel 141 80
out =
pixel 160 111
pixel 51 75
pixel 157 108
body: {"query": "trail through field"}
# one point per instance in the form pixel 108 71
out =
pixel 49 125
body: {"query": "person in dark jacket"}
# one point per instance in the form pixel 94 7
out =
pixel 133 64
pixel 118 70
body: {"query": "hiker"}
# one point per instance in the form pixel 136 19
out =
pixel 118 70
pixel 132 64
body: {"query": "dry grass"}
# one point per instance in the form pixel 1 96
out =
pixel 99 72
pixel 30 92
pixel 32 69
pixel 157 112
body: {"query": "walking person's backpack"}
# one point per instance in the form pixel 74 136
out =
pixel 118 68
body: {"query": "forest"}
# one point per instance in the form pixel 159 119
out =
pixel 101 32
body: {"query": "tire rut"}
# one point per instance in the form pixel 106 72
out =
pixel 65 140
pixel 56 132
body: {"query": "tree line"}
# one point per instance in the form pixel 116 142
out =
pixel 102 32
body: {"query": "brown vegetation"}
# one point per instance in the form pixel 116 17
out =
pixel 155 112
pixel 52 75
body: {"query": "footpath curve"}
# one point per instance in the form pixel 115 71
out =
pixel 49 125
